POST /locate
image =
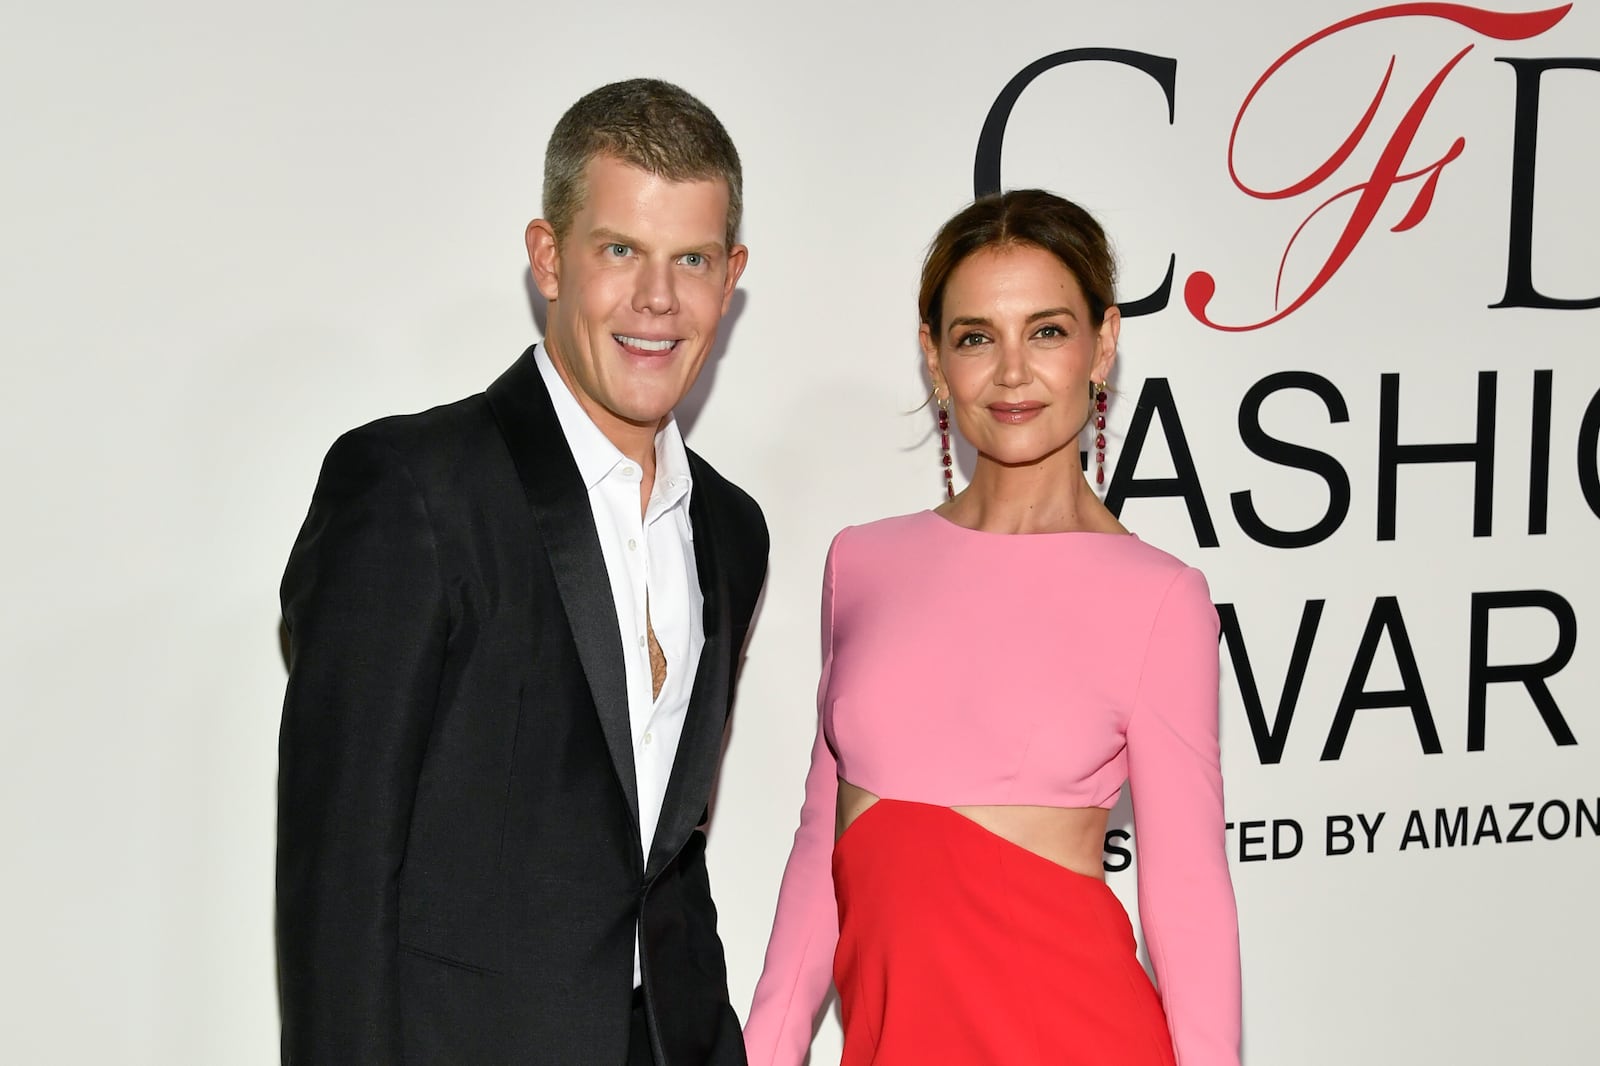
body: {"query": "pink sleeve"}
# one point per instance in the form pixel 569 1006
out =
pixel 799 963
pixel 1186 905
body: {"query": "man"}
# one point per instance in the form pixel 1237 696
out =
pixel 514 625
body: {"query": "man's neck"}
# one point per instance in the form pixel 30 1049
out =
pixel 634 440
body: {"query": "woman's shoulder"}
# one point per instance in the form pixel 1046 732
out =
pixel 1156 561
pixel 895 530
pixel 1123 555
pixel 1160 576
pixel 869 543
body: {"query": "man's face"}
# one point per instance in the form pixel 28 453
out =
pixel 636 290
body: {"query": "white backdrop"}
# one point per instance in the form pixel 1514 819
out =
pixel 233 231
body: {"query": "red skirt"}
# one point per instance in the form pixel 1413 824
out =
pixel 959 947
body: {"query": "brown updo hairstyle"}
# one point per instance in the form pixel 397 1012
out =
pixel 1021 216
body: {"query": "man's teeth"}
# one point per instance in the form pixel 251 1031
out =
pixel 641 343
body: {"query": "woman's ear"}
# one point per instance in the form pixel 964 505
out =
pixel 930 356
pixel 1106 345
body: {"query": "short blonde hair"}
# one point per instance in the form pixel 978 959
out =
pixel 649 124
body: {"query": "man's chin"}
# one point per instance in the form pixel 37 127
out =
pixel 650 406
pixel 651 414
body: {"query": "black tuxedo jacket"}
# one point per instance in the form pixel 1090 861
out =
pixel 459 867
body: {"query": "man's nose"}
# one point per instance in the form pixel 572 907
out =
pixel 656 291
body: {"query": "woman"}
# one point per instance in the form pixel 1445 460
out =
pixel 994 670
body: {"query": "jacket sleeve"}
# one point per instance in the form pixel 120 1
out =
pixel 367 626
pixel 1186 904
pixel 799 963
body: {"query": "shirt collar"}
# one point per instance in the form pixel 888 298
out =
pixel 673 480
pixel 594 453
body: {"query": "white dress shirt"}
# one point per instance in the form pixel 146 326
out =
pixel 650 561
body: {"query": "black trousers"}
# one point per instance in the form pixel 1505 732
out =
pixel 639 1053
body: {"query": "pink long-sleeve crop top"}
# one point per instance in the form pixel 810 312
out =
pixel 970 668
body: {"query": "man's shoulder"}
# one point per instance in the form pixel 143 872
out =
pixel 444 455
pixel 422 430
pixel 734 501
pixel 744 542
pixel 427 443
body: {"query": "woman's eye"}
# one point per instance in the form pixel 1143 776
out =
pixel 1051 331
pixel 971 340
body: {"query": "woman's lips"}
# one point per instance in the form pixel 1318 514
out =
pixel 1015 413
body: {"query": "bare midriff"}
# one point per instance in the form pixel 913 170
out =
pixel 1070 837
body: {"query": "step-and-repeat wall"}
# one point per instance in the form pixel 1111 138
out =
pixel 1358 386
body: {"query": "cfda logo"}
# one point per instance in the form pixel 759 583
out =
pixel 1394 176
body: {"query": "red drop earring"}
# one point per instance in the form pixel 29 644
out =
pixel 944 447
pixel 1099 393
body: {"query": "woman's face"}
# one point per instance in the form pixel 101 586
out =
pixel 1017 352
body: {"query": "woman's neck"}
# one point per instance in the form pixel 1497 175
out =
pixel 1050 496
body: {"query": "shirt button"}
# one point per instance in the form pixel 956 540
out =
pixel 633 545
pixel 627 471
pixel 648 737
pixel 641 640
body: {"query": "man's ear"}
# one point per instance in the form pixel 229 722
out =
pixel 738 257
pixel 544 258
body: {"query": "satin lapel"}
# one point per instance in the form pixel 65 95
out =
pixel 694 768
pixel 561 510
